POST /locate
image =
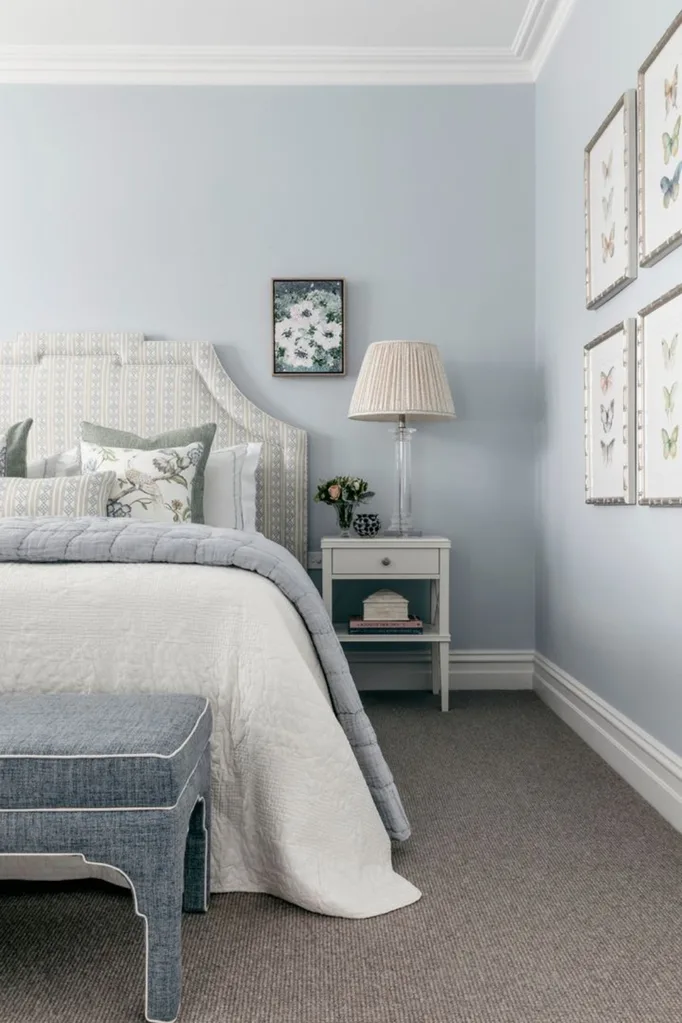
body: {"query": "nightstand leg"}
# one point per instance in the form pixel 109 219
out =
pixel 444 658
pixel 435 667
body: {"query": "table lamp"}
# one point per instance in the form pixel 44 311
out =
pixel 401 381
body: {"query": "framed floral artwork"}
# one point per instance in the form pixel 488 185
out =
pixel 659 400
pixel 609 388
pixel 611 204
pixel 660 159
pixel 308 317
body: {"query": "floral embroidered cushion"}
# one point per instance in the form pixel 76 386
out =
pixel 107 437
pixel 72 496
pixel 152 485
pixel 13 449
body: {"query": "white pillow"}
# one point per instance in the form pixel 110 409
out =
pixel 230 487
pixel 155 486
pixel 65 463
pixel 73 496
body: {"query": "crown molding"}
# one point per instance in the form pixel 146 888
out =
pixel 540 27
pixel 233 65
pixel 549 36
pixel 534 22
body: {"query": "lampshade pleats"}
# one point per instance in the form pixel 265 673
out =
pixel 402 378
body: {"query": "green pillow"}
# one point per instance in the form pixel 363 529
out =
pixel 108 438
pixel 13 449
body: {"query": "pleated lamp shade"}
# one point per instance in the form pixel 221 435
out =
pixel 402 378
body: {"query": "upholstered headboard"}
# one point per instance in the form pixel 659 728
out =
pixel 129 382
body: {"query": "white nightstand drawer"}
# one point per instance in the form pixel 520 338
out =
pixel 390 561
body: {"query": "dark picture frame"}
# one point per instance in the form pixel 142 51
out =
pixel 308 326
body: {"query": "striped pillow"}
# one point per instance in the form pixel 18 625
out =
pixel 70 496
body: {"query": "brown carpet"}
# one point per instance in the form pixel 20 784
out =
pixel 552 894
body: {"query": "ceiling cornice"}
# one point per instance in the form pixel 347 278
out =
pixel 552 30
pixel 266 65
pixel 305 65
pixel 533 22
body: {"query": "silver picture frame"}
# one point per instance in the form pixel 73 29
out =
pixel 650 254
pixel 644 420
pixel 609 436
pixel 625 201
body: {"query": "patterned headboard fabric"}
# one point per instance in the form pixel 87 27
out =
pixel 131 383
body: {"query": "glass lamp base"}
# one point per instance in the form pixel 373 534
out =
pixel 397 531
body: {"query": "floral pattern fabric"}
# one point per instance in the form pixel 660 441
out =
pixel 155 486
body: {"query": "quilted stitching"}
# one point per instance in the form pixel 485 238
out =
pixel 50 540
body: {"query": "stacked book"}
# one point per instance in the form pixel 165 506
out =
pixel 385 613
pixel 413 626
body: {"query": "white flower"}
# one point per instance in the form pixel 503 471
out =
pixel 304 312
pixel 329 335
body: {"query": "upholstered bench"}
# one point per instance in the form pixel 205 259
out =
pixel 119 780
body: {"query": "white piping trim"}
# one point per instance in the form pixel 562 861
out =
pixel 109 809
pixel 106 756
pixel 97 863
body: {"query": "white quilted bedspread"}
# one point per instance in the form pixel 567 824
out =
pixel 292 815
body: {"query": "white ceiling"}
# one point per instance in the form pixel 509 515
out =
pixel 282 41
pixel 461 23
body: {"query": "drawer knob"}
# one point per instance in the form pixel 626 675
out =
pixel 386 561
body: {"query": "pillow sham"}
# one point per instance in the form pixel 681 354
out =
pixel 13 443
pixel 65 463
pixel 230 487
pixel 152 485
pixel 106 437
pixel 70 496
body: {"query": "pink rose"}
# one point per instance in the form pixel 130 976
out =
pixel 334 492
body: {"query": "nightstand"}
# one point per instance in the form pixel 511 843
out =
pixel 389 559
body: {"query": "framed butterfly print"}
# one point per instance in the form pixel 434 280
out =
pixel 611 204
pixel 609 383
pixel 660 156
pixel 659 400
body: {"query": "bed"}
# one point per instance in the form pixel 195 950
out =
pixel 304 805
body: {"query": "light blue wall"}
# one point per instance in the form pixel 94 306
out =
pixel 168 210
pixel 609 580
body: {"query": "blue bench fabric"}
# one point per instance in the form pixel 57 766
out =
pixel 162 848
pixel 70 750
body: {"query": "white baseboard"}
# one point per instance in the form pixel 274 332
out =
pixel 646 764
pixel 469 669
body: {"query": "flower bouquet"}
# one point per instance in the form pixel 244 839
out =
pixel 343 493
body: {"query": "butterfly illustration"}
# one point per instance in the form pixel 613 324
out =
pixel 670 442
pixel 669 352
pixel 606 168
pixel 669 399
pixel 607 205
pixel 671 91
pixel 606 380
pixel 607 451
pixel 671 186
pixel 671 143
pixel 608 245
pixel 607 413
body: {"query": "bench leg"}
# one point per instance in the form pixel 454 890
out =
pixel 197 853
pixel 160 903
